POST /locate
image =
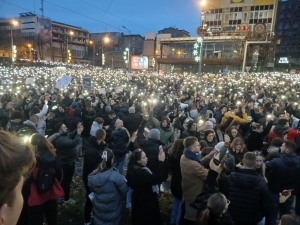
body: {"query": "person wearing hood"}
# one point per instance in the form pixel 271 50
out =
pixel 96 125
pixel 117 109
pixel 14 122
pixel 282 174
pixel 282 130
pixel 94 146
pixel 109 188
pixel 191 131
pixel 166 132
pixel 41 204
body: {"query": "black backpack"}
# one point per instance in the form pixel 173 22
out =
pixel 45 179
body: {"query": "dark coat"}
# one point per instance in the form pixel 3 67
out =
pixel 50 124
pixel 189 133
pixel 132 122
pixel 283 173
pixel 92 157
pixel 218 116
pixel 65 145
pixel 150 147
pixel 255 139
pixel 118 141
pixel 77 119
pixel 145 206
pixel 176 188
pixel 248 196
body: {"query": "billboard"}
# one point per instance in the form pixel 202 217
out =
pixel 139 62
pixel 44 30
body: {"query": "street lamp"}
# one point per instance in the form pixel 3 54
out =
pixel 129 46
pixel 201 42
pixel 94 51
pixel 68 52
pixel 29 46
pixel 106 40
pixel 14 23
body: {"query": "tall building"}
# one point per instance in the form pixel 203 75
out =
pixel 175 32
pixel 288 34
pixel 50 40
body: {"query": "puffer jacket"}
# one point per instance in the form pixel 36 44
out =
pixel 166 134
pixel 109 188
pixel 283 173
pixel 118 141
pixel 189 133
pixel 65 145
pixel 249 197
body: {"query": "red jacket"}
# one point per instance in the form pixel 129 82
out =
pixel 291 135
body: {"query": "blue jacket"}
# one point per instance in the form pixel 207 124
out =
pixel 109 188
pixel 283 173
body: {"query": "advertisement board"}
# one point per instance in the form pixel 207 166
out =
pixel 139 62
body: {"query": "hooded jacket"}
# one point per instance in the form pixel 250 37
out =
pixel 77 119
pixel 283 173
pixel 118 141
pixel 109 188
pixel 132 122
pixel 166 133
pixel 248 195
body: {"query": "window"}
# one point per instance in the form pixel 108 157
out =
pixel 231 9
pixel 252 15
pixel 270 13
pixel 236 9
pixel 256 15
pixel 245 17
pixel 226 20
pixel 260 15
pixel 271 7
pixel 265 15
pixel 261 7
pixel 240 9
pixel 270 20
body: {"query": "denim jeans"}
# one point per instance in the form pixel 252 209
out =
pixel 128 198
pixel 262 222
pixel 274 207
pixel 175 215
pixel 119 163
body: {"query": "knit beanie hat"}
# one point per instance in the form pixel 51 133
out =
pixel 219 146
pixel 209 125
pixel 107 109
pixel 194 113
pixel 154 133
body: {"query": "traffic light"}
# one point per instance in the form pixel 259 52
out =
pixel 69 56
pixel 14 53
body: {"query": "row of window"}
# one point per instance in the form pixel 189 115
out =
pixel 256 21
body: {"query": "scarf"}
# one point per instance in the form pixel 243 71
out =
pixel 192 156
pixel 155 188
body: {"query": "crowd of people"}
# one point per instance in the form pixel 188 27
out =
pixel 229 143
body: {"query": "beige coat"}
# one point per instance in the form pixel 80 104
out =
pixel 193 180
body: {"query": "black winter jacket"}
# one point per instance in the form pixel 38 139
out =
pixel 189 133
pixel 249 196
pixel 92 157
pixel 255 139
pixel 118 141
pixel 176 188
pixel 150 147
pixel 283 173
pixel 132 122
pixel 65 145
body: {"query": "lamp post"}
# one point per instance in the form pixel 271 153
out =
pixel 29 46
pixel 71 33
pixel 94 51
pixel 203 14
pixel 13 55
pixel 129 46
pixel 106 40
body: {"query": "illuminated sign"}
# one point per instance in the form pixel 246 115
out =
pixel 139 62
pixel 236 1
pixel 283 60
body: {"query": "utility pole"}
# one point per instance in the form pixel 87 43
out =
pixel 42 7
pixel 129 46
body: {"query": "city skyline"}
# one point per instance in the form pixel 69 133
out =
pixel 109 16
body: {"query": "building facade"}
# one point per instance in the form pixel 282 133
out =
pixel 49 40
pixel 288 34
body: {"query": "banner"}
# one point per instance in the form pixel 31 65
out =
pixel 102 91
pixel 118 89
pixel 87 82
pixel 63 82
pixel 29 80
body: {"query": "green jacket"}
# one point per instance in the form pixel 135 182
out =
pixel 166 136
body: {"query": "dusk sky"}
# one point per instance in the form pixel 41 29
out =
pixel 139 16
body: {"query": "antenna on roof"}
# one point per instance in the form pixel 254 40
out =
pixel 42 7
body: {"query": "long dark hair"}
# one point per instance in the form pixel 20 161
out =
pixel 39 142
pixel 215 208
pixel 177 148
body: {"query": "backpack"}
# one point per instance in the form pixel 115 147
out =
pixel 44 179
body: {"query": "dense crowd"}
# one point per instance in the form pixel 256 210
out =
pixel 230 144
